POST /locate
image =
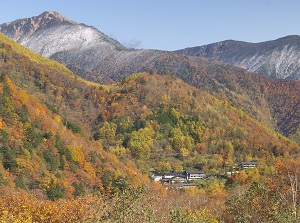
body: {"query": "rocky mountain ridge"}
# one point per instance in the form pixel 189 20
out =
pixel 51 34
pixel 22 28
pixel 276 59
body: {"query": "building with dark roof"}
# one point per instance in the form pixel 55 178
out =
pixel 247 165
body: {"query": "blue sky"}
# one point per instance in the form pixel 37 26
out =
pixel 171 24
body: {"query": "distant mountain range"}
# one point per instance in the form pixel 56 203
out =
pixel 276 59
pixel 87 51
pixel 84 49
pixel 97 57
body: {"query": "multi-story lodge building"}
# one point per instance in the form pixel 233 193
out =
pixel 182 177
pixel 247 165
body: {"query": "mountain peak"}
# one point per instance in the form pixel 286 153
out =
pixel 25 27
pixel 290 38
pixel 61 36
pixel 52 15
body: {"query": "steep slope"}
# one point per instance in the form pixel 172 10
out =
pixel 168 125
pixel 104 60
pixel 245 90
pixel 45 146
pixel 50 33
pixel 276 59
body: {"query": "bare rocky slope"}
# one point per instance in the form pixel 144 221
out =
pixel 276 59
pixel 51 34
pixel 95 56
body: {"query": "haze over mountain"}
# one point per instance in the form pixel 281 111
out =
pixel 276 59
pixel 97 57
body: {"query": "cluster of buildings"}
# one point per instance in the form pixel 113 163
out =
pixel 184 178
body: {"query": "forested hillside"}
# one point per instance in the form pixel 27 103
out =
pixel 181 127
pixel 90 148
pixel 144 115
pixel 42 150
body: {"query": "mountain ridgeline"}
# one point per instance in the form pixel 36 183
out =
pixel 276 59
pixel 96 57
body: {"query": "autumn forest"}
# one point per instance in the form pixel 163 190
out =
pixel 81 151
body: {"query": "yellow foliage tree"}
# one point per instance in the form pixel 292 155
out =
pixel 89 169
pixel 253 175
pixel 76 153
pixel 216 188
pixel 241 177
pixel 141 141
pixel 163 167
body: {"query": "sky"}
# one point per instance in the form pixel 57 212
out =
pixel 171 24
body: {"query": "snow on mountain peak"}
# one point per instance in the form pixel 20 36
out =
pixel 50 33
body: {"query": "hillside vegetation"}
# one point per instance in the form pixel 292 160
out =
pixel 89 148
pixel 42 151
pixel 144 115
pixel 253 93
pixel 183 127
